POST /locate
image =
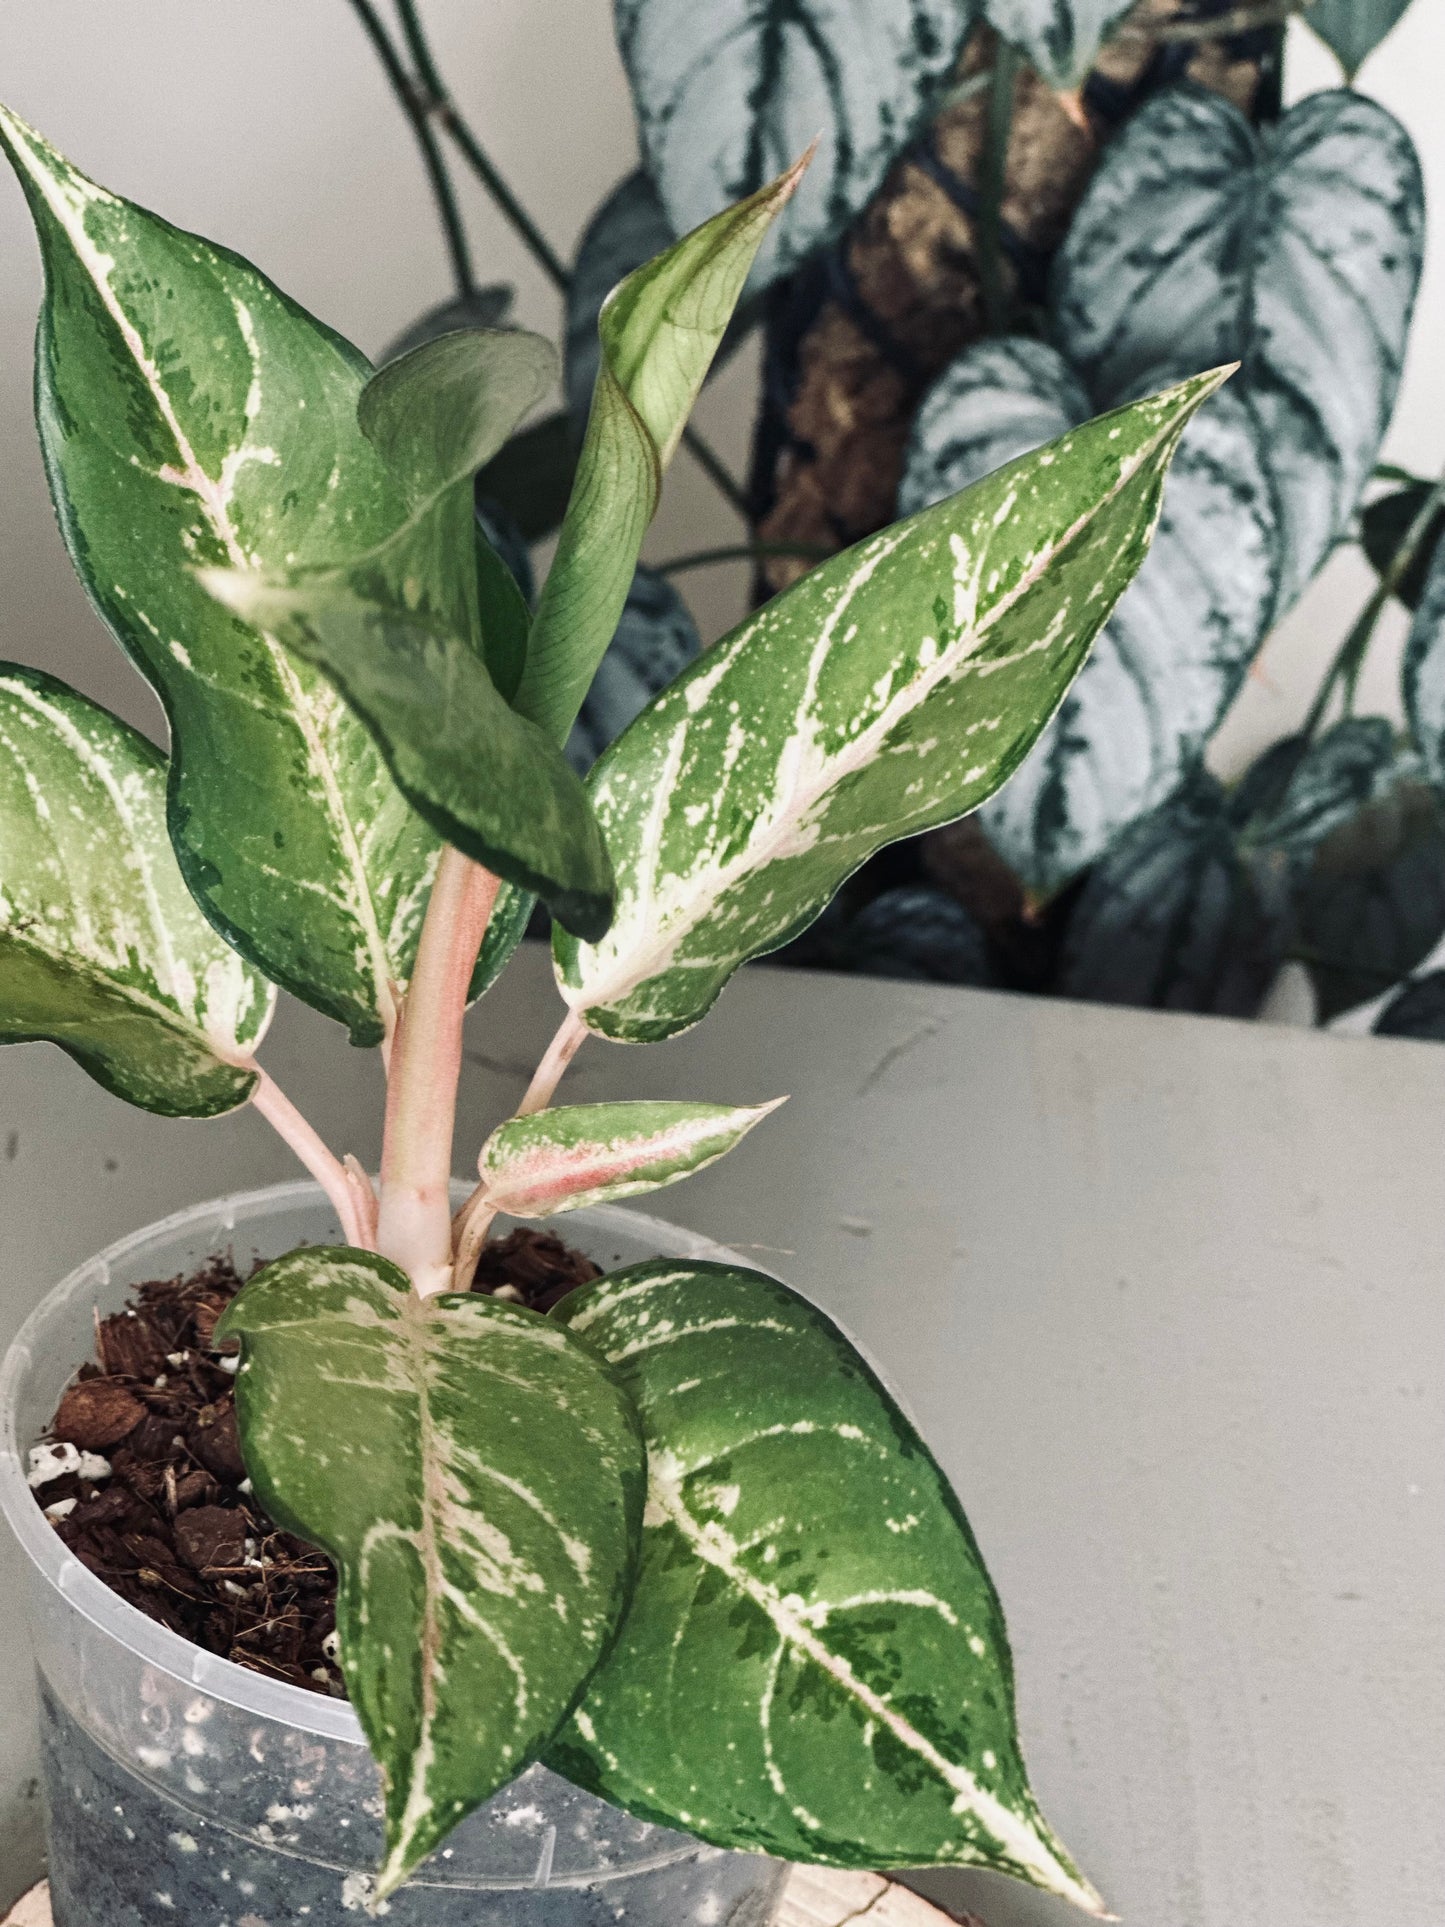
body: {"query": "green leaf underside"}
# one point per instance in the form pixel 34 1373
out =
pixel 814 1662
pixel 892 689
pixel 191 415
pixel 659 330
pixel 102 950
pixel 476 1473
pixel 560 1159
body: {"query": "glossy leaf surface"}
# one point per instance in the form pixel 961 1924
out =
pixel 476 1474
pixel 102 950
pixel 891 689
pixel 729 93
pixel 814 1663
pixel 1060 37
pixel 571 1155
pixel 190 414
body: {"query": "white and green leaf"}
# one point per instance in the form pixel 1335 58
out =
pixel 814 1661
pixel 893 689
pixel 560 1159
pixel 191 415
pixel 658 331
pixel 728 93
pixel 102 950
pixel 476 1473
pixel 424 630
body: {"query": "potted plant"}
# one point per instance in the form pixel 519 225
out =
pixel 674 1538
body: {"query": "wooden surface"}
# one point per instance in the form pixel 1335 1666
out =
pixel 1166 1294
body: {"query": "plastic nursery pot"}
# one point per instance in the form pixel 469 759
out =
pixel 183 1787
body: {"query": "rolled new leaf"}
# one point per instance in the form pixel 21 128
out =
pixel 534 1167
pixel 659 331
pixel 102 950
pixel 814 1662
pixel 476 1473
pixel 892 689
pixel 191 414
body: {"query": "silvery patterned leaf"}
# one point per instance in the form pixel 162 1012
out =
pixel 1353 28
pixel 729 93
pixel 1330 781
pixel 102 950
pixel 476 1473
pixel 814 1662
pixel 487 307
pixel 1423 671
pixel 655 641
pixel 190 413
pixel 1371 907
pixel 891 689
pixel 577 1154
pixel 914 931
pixel 1060 37
pixel 1417 1011
pixel 629 228
pixel 1176 917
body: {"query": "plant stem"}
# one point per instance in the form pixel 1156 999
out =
pixel 571 1035
pixel 473 1222
pixel 414 1227
pixel 337 1180
pixel 436 167
pixel 741 552
pixel 1349 658
pixel 993 179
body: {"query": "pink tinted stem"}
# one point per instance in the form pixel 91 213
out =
pixel 329 1172
pixel 571 1034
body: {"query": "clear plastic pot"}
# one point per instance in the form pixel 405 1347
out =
pixel 181 1786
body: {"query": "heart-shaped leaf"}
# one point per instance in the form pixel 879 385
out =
pixel 814 1662
pixel 1060 37
pixel 1327 783
pixel 1418 1010
pixel 726 94
pixel 1422 674
pixel 102 950
pixel 402 631
pixel 891 689
pixel 476 1474
pixel 1199 239
pixel 1352 29
pixel 557 1160
pixel 191 414
pixel 1176 917
pixel 658 332
pixel 656 639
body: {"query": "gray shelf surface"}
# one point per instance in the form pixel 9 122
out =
pixel 1166 1294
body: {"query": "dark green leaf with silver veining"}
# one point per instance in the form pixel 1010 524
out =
pixel 656 639
pixel 915 932
pixel 476 1473
pixel 190 414
pixel 1060 37
pixel 1422 674
pixel 729 93
pixel 1329 782
pixel 1383 527
pixel 102 950
pixel 1352 29
pixel 891 689
pixel 1417 1011
pixel 1177 916
pixel 814 1662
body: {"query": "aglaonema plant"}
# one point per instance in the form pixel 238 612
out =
pixel 675 1539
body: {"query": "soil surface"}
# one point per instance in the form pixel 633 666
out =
pixel 152 1494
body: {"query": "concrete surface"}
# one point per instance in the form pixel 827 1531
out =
pixel 1166 1294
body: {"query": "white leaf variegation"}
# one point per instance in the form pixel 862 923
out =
pixel 814 1662
pixel 102 950
pixel 1198 240
pixel 892 689
pixel 481 1577
pixel 534 1167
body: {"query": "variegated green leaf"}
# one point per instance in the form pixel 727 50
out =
pixel 892 689
pixel 659 331
pixel 417 630
pixel 557 1160
pixel 1060 37
pixel 191 414
pixel 102 950
pixel 814 1662
pixel 475 1471
pixel 1352 29
pixel 727 93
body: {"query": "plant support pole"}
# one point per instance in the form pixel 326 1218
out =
pixel 414 1227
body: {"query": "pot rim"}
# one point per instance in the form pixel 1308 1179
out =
pixel 157 1645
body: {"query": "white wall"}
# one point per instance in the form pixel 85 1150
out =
pixel 266 124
